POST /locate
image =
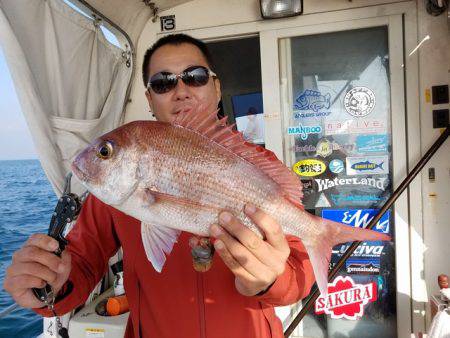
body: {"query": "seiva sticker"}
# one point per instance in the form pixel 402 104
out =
pixel 309 167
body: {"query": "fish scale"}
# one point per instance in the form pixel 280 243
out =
pixel 178 177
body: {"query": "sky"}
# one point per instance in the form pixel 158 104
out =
pixel 15 138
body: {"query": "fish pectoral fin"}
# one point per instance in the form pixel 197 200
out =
pixel 158 241
pixel 157 196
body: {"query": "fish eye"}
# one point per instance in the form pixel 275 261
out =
pixel 105 150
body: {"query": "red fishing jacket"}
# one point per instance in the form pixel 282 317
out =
pixel 178 302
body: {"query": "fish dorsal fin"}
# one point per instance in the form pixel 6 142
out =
pixel 207 124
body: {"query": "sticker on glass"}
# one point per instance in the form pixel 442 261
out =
pixel 355 199
pixel 368 266
pixel 359 101
pixel 367 165
pixel 309 167
pixel 366 126
pixel 324 148
pixel 304 131
pixel 371 143
pixel 378 183
pixel 322 202
pixel 336 166
pixel 358 218
pixel 312 103
pixel 346 299
pixel 365 250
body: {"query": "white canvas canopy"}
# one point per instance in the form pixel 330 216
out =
pixel 70 80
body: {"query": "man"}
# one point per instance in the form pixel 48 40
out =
pixel 249 276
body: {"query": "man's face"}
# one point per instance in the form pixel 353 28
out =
pixel 175 59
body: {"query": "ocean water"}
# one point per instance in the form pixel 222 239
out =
pixel 26 203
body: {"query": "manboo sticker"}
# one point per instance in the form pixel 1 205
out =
pixel 304 131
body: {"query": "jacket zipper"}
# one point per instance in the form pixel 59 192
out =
pixel 201 304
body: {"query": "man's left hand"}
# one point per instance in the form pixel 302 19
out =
pixel 255 262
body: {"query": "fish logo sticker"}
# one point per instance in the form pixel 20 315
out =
pixel 359 218
pixel 336 166
pixel 346 299
pixel 359 101
pixel 312 100
pixel 370 165
pixel 309 167
pixel 304 131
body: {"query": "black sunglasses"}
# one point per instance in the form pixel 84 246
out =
pixel 195 76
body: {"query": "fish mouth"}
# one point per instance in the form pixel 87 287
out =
pixel 80 174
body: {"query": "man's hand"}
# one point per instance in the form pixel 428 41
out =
pixel 255 262
pixel 32 266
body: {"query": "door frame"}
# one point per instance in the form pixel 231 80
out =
pixel 401 19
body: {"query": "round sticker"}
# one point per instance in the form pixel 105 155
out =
pixel 359 101
pixel 309 167
pixel 336 166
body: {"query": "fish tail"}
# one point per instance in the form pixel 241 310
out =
pixel 319 251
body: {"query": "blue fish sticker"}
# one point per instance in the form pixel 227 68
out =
pixel 312 100
pixel 367 165
pixel 358 218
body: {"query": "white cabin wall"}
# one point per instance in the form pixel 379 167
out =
pixel 210 13
pixel 434 67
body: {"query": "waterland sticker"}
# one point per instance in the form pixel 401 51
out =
pixel 366 126
pixel 309 167
pixel 367 165
pixel 371 143
pixel 346 299
pixel 369 266
pixel 336 166
pixel 359 101
pixel 359 218
pixel 324 148
pixel 312 100
pixel 355 199
pixel 304 131
pixel 378 183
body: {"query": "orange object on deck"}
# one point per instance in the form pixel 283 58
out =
pixel 117 305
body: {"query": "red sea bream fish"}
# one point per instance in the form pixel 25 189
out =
pixel 178 177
